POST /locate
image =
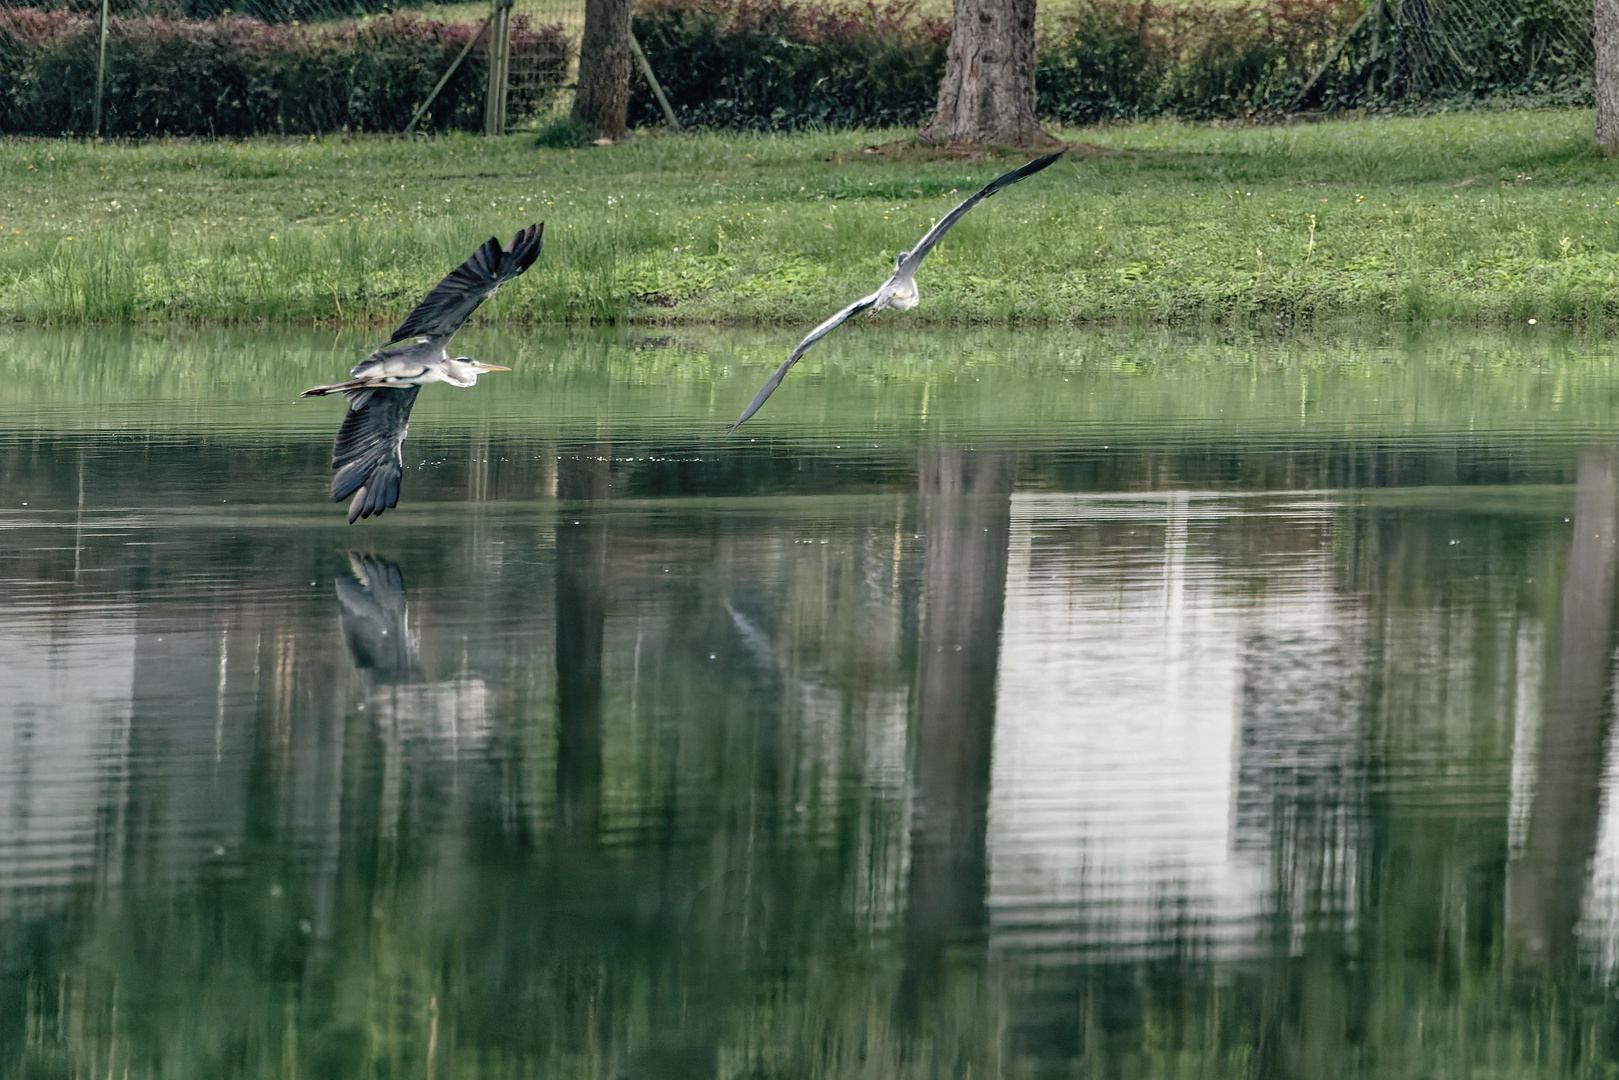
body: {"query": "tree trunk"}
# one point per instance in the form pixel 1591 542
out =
pixel 603 99
pixel 1607 74
pixel 987 95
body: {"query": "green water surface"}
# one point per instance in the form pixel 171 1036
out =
pixel 1022 704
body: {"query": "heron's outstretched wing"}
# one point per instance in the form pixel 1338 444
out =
pixel 803 347
pixel 367 456
pixel 454 299
pixel 935 234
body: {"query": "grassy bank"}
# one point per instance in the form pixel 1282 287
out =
pixel 1475 218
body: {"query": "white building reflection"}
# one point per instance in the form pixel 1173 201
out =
pixel 1171 668
pixel 66 686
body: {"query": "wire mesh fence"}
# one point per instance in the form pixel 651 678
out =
pixel 1443 49
pixel 238 67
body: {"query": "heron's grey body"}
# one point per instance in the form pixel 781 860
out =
pixel 899 291
pixel 382 388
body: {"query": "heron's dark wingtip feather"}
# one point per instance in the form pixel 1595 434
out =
pixel 1024 172
pixel 366 454
pixel 453 300
pixel 526 246
pixel 380 493
pixel 764 392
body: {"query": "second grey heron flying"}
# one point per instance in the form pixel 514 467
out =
pixel 383 387
pixel 899 291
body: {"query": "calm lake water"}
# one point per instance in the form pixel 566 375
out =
pixel 1039 704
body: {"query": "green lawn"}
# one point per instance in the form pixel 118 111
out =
pixel 1481 217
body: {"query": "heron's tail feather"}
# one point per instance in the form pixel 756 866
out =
pixel 336 388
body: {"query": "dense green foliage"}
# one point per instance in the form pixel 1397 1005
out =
pixel 275 11
pixel 1479 217
pixel 1112 59
pixel 781 64
pixel 1109 60
pixel 773 64
pixel 237 76
pixel 1426 52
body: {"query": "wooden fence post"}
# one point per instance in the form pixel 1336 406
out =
pixel 101 67
pixel 500 47
pixel 652 81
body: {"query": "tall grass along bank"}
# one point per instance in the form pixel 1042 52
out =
pixel 1482 218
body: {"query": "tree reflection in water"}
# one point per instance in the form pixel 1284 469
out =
pixel 965 516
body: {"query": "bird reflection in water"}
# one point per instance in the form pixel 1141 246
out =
pixel 375 618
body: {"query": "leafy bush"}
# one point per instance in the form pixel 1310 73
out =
pixel 777 64
pixel 564 133
pixel 238 76
pixel 1200 59
pixel 1461 50
pixel 276 11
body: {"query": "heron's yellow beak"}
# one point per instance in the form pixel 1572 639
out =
pixel 495 367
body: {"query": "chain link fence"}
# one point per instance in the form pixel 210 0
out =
pixel 141 68
pixel 242 67
pixel 1443 50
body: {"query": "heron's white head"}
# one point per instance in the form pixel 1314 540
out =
pixel 464 370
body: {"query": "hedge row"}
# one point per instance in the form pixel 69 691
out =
pixel 784 64
pixel 779 64
pixel 1208 58
pixel 275 11
pixel 238 76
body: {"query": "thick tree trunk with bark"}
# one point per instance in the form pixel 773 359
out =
pixel 987 95
pixel 603 100
pixel 1607 74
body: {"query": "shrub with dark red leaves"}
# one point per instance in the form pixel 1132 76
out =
pixel 238 76
pixel 276 11
pixel 778 64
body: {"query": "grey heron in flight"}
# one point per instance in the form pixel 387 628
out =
pixel 899 291
pixel 382 388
